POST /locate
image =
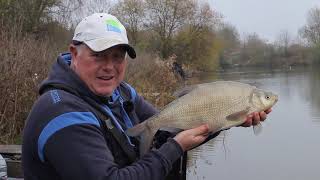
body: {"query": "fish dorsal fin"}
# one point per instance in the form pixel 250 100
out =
pixel 238 115
pixel 185 90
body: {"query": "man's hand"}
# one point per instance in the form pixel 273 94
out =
pixel 193 137
pixel 255 118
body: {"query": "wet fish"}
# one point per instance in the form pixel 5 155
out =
pixel 221 105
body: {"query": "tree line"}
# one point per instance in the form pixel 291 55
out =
pixel 196 34
pixel 192 31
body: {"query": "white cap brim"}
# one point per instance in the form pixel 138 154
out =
pixel 101 44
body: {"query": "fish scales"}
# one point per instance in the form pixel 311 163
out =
pixel 186 114
pixel 221 105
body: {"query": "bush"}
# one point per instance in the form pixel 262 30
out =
pixel 24 63
pixel 153 78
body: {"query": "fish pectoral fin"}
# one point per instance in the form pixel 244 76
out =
pixel 257 129
pixel 238 115
pixel 172 130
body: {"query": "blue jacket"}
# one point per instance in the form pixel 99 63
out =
pixel 64 136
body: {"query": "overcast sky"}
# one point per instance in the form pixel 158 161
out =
pixel 265 17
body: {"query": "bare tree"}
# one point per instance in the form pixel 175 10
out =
pixel 63 12
pixel 30 14
pixel 76 10
pixel 283 42
pixel 131 14
pixel 230 36
pixel 311 31
pixel 165 17
pixel 253 50
pixel 203 17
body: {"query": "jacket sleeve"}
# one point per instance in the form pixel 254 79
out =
pixel 80 152
pixel 72 143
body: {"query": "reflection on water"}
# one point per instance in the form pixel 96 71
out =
pixel 289 145
pixel 203 156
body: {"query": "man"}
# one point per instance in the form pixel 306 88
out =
pixel 75 129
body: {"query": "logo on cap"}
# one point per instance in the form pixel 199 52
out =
pixel 113 25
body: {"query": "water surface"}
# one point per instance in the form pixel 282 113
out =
pixel 288 147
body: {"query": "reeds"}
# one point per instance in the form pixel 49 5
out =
pixel 24 62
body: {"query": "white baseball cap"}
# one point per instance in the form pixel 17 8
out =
pixel 101 31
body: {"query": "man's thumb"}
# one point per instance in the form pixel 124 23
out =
pixel 201 130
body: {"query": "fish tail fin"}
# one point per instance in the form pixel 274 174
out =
pixel 137 130
pixel 146 141
pixel 146 133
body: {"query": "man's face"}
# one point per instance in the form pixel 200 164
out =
pixel 101 71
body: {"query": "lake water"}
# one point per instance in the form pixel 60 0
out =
pixel 288 147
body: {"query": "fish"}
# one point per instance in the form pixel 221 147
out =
pixel 220 104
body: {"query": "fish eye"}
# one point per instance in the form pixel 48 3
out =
pixel 267 97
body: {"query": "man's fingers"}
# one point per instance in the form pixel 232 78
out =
pixel 268 111
pixel 200 138
pixel 263 116
pixel 192 137
pixel 248 121
pixel 256 118
pixel 201 130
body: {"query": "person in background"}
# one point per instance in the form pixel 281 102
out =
pixel 76 127
pixel 177 68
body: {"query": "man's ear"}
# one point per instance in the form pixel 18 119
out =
pixel 73 50
pixel 74 56
pixel 74 53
